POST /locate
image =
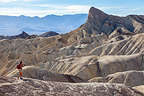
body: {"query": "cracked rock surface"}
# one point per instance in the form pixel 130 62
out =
pixel 32 87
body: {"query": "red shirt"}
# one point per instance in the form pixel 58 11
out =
pixel 19 66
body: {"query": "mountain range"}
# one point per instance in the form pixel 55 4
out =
pixel 25 35
pixel 13 25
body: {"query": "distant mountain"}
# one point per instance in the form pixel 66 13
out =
pixel 12 25
pixel 25 35
pixel 22 35
pixel 48 34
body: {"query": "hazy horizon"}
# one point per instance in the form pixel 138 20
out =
pixel 47 15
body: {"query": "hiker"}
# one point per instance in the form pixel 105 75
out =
pixel 19 67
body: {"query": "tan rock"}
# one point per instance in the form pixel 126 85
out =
pixel 43 74
pixel 129 78
pixel 97 79
pixel 35 87
pixel 132 45
pixel 140 88
pixel 88 67
pixel 118 63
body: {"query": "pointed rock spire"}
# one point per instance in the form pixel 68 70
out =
pixel 96 13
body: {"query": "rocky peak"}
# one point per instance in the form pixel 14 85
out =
pixel 99 22
pixel 95 21
pixel 22 35
pixel 96 13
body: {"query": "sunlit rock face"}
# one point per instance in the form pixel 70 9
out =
pixel 130 78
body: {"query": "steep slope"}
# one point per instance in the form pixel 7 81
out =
pixel 101 45
pixel 127 46
pixel 99 22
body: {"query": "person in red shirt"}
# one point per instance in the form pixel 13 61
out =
pixel 19 67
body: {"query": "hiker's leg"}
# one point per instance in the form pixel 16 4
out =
pixel 21 74
pixel 18 77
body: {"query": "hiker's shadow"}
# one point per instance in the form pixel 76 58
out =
pixel 26 79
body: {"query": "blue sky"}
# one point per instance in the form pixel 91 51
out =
pixel 60 7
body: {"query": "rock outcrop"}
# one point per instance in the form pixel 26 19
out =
pixel 43 74
pixel 139 88
pixel 129 78
pixel 87 67
pixel 100 22
pixel 33 87
pixel 132 45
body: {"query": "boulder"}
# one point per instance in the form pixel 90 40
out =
pixel 129 78
pixel 118 63
pixel 139 88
